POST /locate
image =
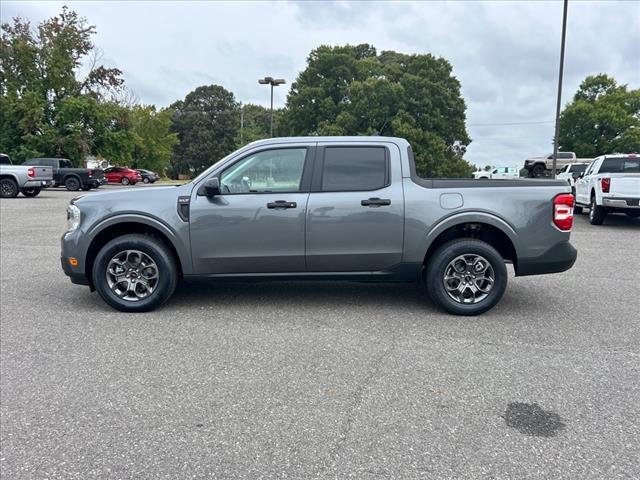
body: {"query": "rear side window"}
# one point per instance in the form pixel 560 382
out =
pixel 620 165
pixel 347 169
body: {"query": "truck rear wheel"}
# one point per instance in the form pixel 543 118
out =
pixel 8 188
pixel 596 212
pixel 72 184
pixel 466 276
pixel 135 273
pixel 30 192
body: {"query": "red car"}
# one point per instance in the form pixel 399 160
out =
pixel 123 175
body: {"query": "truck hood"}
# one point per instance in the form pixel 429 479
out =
pixel 132 198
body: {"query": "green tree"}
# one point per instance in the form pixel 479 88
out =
pixel 603 117
pixel 207 123
pixel 46 108
pixel 352 90
pixel 153 140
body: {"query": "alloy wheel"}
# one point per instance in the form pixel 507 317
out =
pixel 468 279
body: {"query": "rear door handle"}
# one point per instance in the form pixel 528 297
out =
pixel 281 204
pixel 375 202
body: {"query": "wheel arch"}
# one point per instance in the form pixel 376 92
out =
pixel 488 228
pixel 118 226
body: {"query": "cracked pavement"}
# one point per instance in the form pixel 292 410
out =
pixel 317 380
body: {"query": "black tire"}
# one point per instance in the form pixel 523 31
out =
pixel 86 188
pixel 537 171
pixel 577 210
pixel 145 179
pixel 8 188
pixel 31 192
pixel 438 263
pixel 596 212
pixel 124 181
pixel 72 184
pixel 157 251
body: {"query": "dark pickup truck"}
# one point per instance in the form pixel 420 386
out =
pixel 72 178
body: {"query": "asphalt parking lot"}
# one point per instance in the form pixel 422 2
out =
pixel 314 380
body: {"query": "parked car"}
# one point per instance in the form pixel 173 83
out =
pixel 571 172
pixel 25 179
pixel 500 172
pixel 148 176
pixel 538 166
pixel 72 178
pixel 349 208
pixel 610 184
pixel 122 175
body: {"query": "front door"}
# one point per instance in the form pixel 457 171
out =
pixel 256 224
pixel 355 217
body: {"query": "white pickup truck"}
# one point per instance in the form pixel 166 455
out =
pixel 500 172
pixel 610 184
pixel 571 172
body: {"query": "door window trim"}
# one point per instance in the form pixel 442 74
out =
pixel 316 182
pixel 305 181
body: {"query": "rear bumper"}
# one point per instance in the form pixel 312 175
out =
pixel 96 182
pixel 37 183
pixel 558 258
pixel 626 203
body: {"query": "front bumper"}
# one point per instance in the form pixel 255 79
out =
pixel 96 182
pixel 69 249
pixel 626 203
pixel 558 258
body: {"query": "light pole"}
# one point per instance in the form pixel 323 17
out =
pixel 274 82
pixel 555 138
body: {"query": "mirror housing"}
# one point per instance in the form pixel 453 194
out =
pixel 210 188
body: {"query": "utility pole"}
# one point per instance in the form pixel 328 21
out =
pixel 274 82
pixel 242 126
pixel 557 134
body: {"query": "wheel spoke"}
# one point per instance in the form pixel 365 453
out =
pixel 468 278
pixel 132 275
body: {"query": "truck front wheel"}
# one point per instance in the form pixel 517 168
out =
pixel 135 273
pixel 538 170
pixel 466 276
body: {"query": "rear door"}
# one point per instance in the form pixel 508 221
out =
pixel 355 214
pixel 583 193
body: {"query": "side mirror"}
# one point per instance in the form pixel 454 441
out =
pixel 210 187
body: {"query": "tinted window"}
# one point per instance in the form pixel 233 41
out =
pixel 4 160
pixel 620 165
pixel 578 168
pixel 348 169
pixel 65 164
pixel 564 155
pixel 267 171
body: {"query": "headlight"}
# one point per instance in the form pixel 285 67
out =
pixel 73 217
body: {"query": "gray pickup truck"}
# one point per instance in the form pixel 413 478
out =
pixel 346 208
pixel 28 180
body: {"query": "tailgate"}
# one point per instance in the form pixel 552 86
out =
pixel 42 173
pixel 625 186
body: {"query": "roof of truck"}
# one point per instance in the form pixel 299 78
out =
pixel 361 138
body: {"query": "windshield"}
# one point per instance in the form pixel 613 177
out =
pixel 620 165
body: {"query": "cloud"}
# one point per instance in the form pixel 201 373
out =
pixel 505 54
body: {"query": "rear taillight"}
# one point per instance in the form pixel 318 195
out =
pixel 31 172
pixel 563 211
pixel 605 183
pixel 91 173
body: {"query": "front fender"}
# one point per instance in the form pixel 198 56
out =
pixel 179 239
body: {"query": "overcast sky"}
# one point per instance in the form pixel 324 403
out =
pixel 505 54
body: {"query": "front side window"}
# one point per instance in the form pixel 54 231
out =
pixel 347 169
pixel 277 170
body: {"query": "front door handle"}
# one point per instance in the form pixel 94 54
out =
pixel 375 202
pixel 281 204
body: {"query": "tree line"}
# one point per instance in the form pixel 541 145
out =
pixel 58 99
